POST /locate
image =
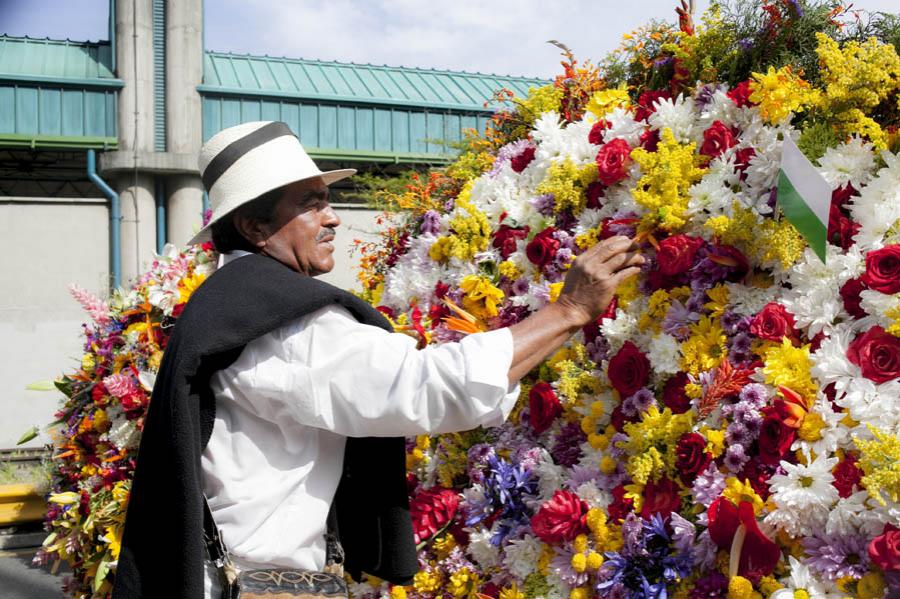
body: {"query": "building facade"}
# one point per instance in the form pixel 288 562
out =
pixel 98 153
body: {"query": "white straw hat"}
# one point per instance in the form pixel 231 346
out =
pixel 243 162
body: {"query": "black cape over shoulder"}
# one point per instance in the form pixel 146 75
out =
pixel 162 548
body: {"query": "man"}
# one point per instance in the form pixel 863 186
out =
pixel 279 395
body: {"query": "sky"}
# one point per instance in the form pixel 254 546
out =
pixel 506 37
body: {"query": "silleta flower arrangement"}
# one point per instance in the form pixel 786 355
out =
pixel 728 428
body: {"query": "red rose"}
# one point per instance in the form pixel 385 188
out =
pixel 649 140
pixel 596 134
pixel 660 497
pixel 759 554
pixel 542 249
pixel 674 396
pixel 775 438
pixel 613 160
pixel 178 309
pixel 742 161
pixel 675 255
pixel 560 519
pixel 773 322
pixel 847 476
pixel 841 228
pixel 884 549
pixel 522 159
pixel 841 196
pixel 629 370
pixel 716 139
pixel 594 192
pixel 431 511
pixel 740 94
pixel 646 103
pixel 877 354
pixel 691 456
pixel 505 239
pixel 621 506
pixel 850 294
pixel 732 258
pixel 543 407
pixel 883 269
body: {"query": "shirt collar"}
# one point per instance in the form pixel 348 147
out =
pixel 231 257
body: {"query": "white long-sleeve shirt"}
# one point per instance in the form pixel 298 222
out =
pixel 285 407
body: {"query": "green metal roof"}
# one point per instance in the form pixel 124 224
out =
pixel 355 83
pixel 55 61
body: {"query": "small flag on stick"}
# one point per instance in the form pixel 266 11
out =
pixel 804 196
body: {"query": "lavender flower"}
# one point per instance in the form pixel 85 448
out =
pixel 638 403
pixel 561 565
pixel 566 450
pixel 712 586
pixel 708 485
pixel 678 320
pixel 431 223
pixel 735 458
pixel 755 395
pixel 836 557
pixel 544 204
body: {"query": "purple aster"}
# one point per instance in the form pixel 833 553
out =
pixel 598 349
pixel 479 456
pixel 565 220
pixel 520 286
pixel 561 564
pixel 507 153
pixel 678 320
pixel 730 322
pixel 737 434
pixel 544 204
pixel 705 93
pixel 638 403
pixel 563 258
pixel 754 394
pixel 712 586
pixel 431 223
pixel 740 343
pixel 836 557
pixel 566 450
pixel 697 299
pixel 753 422
pixel 735 458
pixel 580 475
pixel 682 533
pixel 746 44
pixel 708 485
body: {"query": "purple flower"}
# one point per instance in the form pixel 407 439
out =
pixel 755 395
pixel 566 450
pixel 561 564
pixel 638 403
pixel 520 286
pixel 737 434
pixel 431 223
pixel 712 586
pixel 836 557
pixel 705 93
pixel 708 485
pixel 735 458
pixel 746 44
pixel 678 320
pixel 544 204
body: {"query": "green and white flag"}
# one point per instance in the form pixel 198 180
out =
pixel 804 196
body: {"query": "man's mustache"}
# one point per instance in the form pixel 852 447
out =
pixel 325 232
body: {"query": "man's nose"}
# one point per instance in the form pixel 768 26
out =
pixel 330 217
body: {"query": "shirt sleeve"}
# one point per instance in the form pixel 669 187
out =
pixel 329 371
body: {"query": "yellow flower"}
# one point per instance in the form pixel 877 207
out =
pixel 668 173
pixel 113 536
pixel 427 581
pixel 511 593
pixel 880 461
pixel 811 429
pixel 705 348
pixel 188 285
pixel 555 290
pixel 718 296
pixel 567 182
pixel 509 270
pixel 579 562
pixel 781 92
pixel 740 588
pixel 481 298
pixel 788 366
pixel 657 307
pixel 64 498
pixel 871 586
pixel 715 440
pixel 470 231
pixel 88 362
pixel 580 593
pixel 737 492
pixel 606 100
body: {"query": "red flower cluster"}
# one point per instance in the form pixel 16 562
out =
pixel 596 134
pixel 431 511
pixel 506 237
pixel 773 323
pixel 877 353
pixel 522 159
pixel 716 139
pixel 562 518
pixel 675 255
pixel 543 407
pixel 613 160
pixel 629 370
pixel 660 497
pixel 542 249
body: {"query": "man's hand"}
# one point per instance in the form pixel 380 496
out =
pixel 595 275
pixel 589 287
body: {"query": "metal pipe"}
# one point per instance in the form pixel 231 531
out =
pixel 115 219
pixel 160 214
pixel 112 34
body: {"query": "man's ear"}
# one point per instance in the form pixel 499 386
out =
pixel 251 229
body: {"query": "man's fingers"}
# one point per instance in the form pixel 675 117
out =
pixel 623 260
pixel 625 273
pixel 607 248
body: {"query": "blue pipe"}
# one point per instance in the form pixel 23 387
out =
pixel 205 205
pixel 115 219
pixel 160 215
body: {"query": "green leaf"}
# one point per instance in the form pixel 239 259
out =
pixel 41 386
pixel 29 435
pixel 102 570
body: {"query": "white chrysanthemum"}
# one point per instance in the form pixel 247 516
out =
pixel 801 579
pixel 622 125
pixel 665 354
pixel 877 305
pixel 814 297
pixel 805 487
pixel 677 115
pixel 713 193
pixel 719 108
pixel 502 193
pixel 877 208
pixel 797 522
pixel 414 275
pixel 522 556
pixel 589 218
pixel 593 496
pixel 851 162
pixel 619 200
pixel 557 142
pixel 551 475
pixel 618 330
pixel 831 436
pixel 851 516
pixel 748 301
pixel 485 553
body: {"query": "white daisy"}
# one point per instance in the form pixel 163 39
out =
pixel 521 556
pixel 623 125
pixel 678 116
pixel 801 579
pixel 851 162
pixel 485 553
pixel 665 354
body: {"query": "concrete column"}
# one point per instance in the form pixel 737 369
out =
pixel 138 225
pixel 134 65
pixel 184 124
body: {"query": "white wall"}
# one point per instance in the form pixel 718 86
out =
pixel 45 244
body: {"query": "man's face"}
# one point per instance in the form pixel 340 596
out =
pixel 301 235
